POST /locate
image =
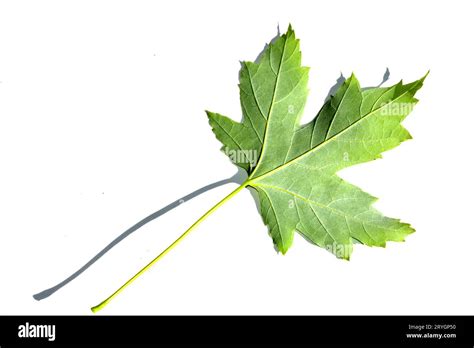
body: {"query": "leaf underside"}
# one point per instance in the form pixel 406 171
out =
pixel 294 167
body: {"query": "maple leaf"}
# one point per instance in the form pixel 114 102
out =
pixel 296 172
pixel 294 167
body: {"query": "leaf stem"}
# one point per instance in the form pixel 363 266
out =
pixel 169 248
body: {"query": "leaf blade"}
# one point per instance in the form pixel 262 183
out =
pixel 296 173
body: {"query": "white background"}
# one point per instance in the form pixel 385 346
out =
pixel 102 123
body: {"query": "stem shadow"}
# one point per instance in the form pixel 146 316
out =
pixel 236 178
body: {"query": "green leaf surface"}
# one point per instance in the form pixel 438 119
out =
pixel 294 167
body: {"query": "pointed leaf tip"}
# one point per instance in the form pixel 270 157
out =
pixel 425 76
pixel 290 31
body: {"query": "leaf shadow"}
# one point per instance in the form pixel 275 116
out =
pixel 262 52
pixel 385 78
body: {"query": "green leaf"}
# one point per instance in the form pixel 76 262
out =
pixel 294 167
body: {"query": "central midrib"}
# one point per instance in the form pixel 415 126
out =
pixel 271 105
